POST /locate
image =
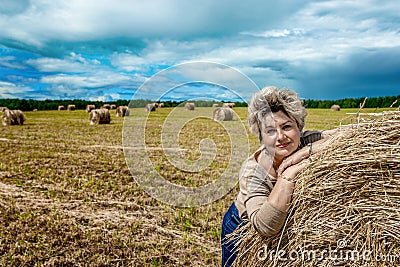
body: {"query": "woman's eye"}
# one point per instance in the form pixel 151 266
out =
pixel 287 127
pixel 271 131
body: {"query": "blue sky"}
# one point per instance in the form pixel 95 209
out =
pixel 106 50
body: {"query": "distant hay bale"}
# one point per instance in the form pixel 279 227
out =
pixel 35 109
pixel 223 114
pixel 346 200
pixel 60 108
pixel 71 107
pixel 190 106
pixel 107 106
pixel 122 111
pixel 113 106
pixel 12 117
pixel 228 105
pixel 90 108
pixel 215 105
pixel 150 107
pixel 161 105
pixel 335 107
pixel 99 116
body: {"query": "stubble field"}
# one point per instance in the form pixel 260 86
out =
pixel 67 196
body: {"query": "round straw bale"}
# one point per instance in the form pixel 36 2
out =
pixel 215 105
pixel 113 106
pixel 223 114
pixel 150 107
pixel 122 111
pixel 345 201
pixel 71 107
pixel 190 106
pixel 228 105
pixel 12 117
pixel 99 116
pixel 107 106
pixel 90 107
pixel 335 107
pixel 60 108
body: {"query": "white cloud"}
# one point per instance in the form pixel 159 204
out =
pixel 276 33
pixel 97 80
pixel 72 63
pixel 11 90
pixel 11 62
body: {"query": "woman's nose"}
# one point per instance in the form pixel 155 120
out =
pixel 280 134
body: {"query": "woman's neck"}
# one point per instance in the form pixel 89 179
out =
pixel 277 162
pixel 274 167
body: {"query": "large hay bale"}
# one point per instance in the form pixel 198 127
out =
pixel 215 105
pixel 335 107
pixel 60 108
pixel 71 107
pixel 122 111
pixel 113 106
pixel 223 114
pixel 190 106
pixel 107 106
pixel 150 107
pixel 345 203
pixel 12 117
pixel 99 116
pixel 90 107
pixel 228 105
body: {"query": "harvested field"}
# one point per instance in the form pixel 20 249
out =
pixel 67 196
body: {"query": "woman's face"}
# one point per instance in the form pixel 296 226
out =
pixel 280 133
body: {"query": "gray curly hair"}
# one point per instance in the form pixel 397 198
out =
pixel 271 99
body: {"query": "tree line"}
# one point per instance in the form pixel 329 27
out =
pixel 373 102
pixel 48 104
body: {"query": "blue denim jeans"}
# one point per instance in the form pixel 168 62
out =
pixel 230 222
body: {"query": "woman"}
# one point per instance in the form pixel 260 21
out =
pixel 266 179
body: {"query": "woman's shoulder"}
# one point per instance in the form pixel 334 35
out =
pixel 251 168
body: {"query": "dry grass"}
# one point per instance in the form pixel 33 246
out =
pixel 345 203
pixel 68 198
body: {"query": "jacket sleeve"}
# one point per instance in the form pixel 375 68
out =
pixel 266 219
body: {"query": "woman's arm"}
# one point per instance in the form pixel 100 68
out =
pixel 267 204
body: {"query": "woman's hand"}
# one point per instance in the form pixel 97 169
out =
pixel 293 159
pixel 291 172
pixel 302 154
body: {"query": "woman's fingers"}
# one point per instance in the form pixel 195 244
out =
pixel 293 159
pixel 293 170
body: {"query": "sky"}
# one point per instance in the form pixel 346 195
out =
pixel 110 50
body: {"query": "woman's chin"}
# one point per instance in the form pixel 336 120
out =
pixel 283 153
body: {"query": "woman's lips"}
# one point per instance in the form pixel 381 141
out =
pixel 283 145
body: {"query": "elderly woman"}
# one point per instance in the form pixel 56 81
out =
pixel 266 179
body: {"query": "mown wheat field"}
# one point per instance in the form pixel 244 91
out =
pixel 68 197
